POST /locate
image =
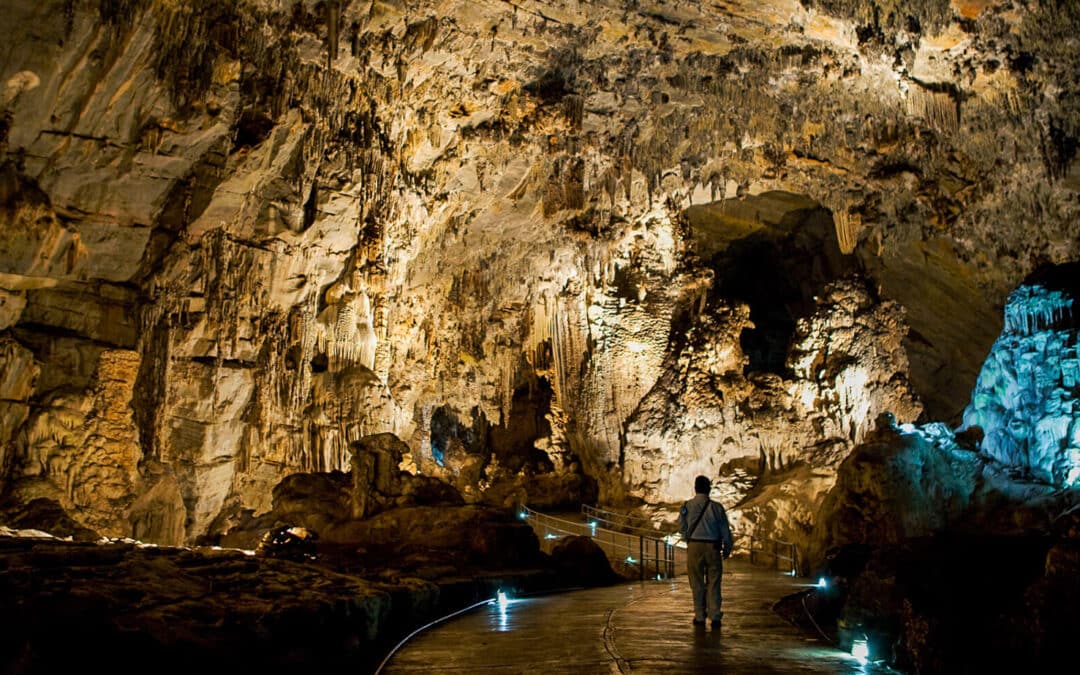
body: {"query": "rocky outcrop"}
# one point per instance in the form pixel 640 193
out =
pixel 82 450
pixel 222 610
pixel 582 561
pixel 940 559
pixel 1026 403
pixel 487 229
pixel 379 483
pixel 774 442
pixel 894 487
pixel 16 389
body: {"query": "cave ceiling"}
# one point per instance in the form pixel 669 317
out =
pixel 238 236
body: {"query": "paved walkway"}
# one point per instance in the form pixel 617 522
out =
pixel 633 627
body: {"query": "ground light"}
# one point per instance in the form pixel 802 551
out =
pixel 821 583
pixel 860 650
pixel 502 599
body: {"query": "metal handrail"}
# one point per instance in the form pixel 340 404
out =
pixel 627 550
pixel 790 553
pixel 613 519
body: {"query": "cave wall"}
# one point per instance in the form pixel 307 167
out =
pixel 288 238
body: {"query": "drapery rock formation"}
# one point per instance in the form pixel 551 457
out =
pixel 497 230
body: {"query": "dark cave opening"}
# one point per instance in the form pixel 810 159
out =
pixel 512 442
pixel 754 273
pixel 774 252
pixel 447 433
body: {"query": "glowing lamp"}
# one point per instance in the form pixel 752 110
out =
pixel 503 600
pixel 630 560
pixel 551 535
pixel 860 650
pixel 821 583
pixel 523 515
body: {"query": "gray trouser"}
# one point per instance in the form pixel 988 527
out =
pixel 705 565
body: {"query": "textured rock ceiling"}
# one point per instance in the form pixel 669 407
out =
pixel 525 237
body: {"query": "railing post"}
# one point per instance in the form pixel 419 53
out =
pixel 641 556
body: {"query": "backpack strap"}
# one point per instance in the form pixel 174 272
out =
pixel 697 521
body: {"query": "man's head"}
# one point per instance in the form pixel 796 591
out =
pixel 702 485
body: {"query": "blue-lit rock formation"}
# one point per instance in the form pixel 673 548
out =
pixel 1027 398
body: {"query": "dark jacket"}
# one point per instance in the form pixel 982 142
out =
pixel 713 525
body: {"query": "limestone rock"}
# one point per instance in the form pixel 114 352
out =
pixel 774 442
pixel 46 515
pixel 17 384
pixel 923 606
pixel 1026 402
pixel 83 450
pixel 191 608
pixel 894 487
pixel 514 216
pixel 379 483
pixel 582 561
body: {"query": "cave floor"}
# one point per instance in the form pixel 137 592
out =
pixel 640 627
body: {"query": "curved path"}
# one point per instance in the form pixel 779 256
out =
pixel 632 627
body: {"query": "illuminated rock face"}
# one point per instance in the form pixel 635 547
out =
pixel 1027 399
pixel 496 231
pixel 705 416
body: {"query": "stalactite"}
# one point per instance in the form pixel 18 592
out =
pixel 1033 308
pixel 333 14
pixel 940 110
pixel 847 229
pixel 507 363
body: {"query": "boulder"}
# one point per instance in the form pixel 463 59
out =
pixel 896 486
pixel 45 515
pixel 580 561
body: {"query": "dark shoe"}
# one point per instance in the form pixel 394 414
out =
pixel 716 623
pixel 699 622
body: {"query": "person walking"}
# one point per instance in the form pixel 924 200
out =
pixel 704 527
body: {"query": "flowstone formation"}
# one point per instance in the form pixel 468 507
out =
pixel 553 247
pixel 1027 399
